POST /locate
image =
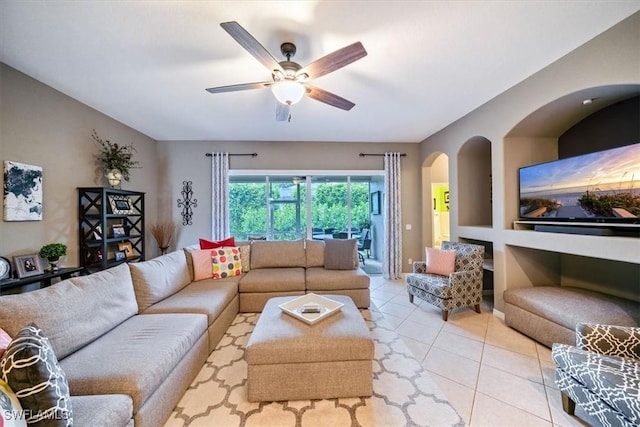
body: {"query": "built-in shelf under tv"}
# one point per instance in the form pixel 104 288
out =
pixel 600 187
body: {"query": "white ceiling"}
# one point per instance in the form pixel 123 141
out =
pixel 147 63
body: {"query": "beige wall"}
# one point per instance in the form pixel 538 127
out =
pixel 610 59
pixel 185 161
pixel 41 126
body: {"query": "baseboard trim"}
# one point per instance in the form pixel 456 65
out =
pixel 498 314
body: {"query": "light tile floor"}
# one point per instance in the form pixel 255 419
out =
pixel 493 375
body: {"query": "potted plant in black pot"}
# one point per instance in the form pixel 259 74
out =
pixel 52 252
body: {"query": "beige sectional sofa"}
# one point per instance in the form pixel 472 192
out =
pixel 132 338
pixel 282 268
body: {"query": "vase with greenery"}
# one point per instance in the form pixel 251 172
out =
pixel 115 159
pixel 52 252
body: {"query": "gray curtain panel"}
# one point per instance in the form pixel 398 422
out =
pixel 219 196
pixel 392 259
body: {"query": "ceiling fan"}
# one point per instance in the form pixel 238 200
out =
pixel 290 81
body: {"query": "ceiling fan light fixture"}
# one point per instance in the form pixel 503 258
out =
pixel 288 91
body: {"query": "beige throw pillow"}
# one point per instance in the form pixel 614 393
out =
pixel 338 254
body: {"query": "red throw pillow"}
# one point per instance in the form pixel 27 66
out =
pixel 441 262
pixel 210 244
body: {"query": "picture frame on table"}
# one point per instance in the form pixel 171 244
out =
pixel 121 205
pixel 28 265
pixel 127 248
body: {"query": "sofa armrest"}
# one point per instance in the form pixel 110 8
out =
pixel 610 340
pixel 419 267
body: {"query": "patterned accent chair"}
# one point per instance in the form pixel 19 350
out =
pixel 463 287
pixel 601 373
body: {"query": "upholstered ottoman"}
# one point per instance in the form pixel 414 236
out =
pixel 291 360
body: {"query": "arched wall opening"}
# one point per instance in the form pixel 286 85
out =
pixel 475 183
pixel 435 199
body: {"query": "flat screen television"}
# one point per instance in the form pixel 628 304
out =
pixel 600 187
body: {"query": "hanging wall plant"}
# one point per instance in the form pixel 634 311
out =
pixel 116 160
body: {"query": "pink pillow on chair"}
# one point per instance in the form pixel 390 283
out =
pixel 441 262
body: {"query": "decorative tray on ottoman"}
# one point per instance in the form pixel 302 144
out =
pixel 311 308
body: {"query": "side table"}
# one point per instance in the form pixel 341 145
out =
pixel 43 279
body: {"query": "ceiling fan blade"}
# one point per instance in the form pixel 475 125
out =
pixel 252 45
pixel 334 61
pixel 329 98
pixel 235 88
pixel 282 112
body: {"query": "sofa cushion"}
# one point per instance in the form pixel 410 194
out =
pixel 102 410
pixel 226 262
pixel 433 284
pixel 339 254
pixel 321 279
pixel 568 306
pixel 31 369
pixel 314 250
pixel 277 253
pixel 273 280
pixel 208 297
pixel 156 279
pixel 136 357
pixel 74 312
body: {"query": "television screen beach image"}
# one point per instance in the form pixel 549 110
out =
pixel 602 186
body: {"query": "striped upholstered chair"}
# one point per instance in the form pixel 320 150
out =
pixel 601 373
pixel 462 288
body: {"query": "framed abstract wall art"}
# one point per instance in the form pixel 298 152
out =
pixel 22 192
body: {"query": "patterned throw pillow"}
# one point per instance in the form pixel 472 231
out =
pixel 31 370
pixel 11 414
pixel 5 339
pixel 245 256
pixel 226 262
pixel 212 244
pixel 441 262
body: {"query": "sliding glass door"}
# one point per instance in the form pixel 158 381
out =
pixel 277 207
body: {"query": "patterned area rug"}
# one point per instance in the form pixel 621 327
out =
pixel 403 392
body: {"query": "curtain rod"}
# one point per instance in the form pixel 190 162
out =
pixel 380 155
pixel 231 154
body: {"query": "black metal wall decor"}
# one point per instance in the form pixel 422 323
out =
pixel 188 203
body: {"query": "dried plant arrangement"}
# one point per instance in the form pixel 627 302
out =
pixel 164 232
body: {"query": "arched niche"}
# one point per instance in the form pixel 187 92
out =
pixel 535 138
pixel 475 183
